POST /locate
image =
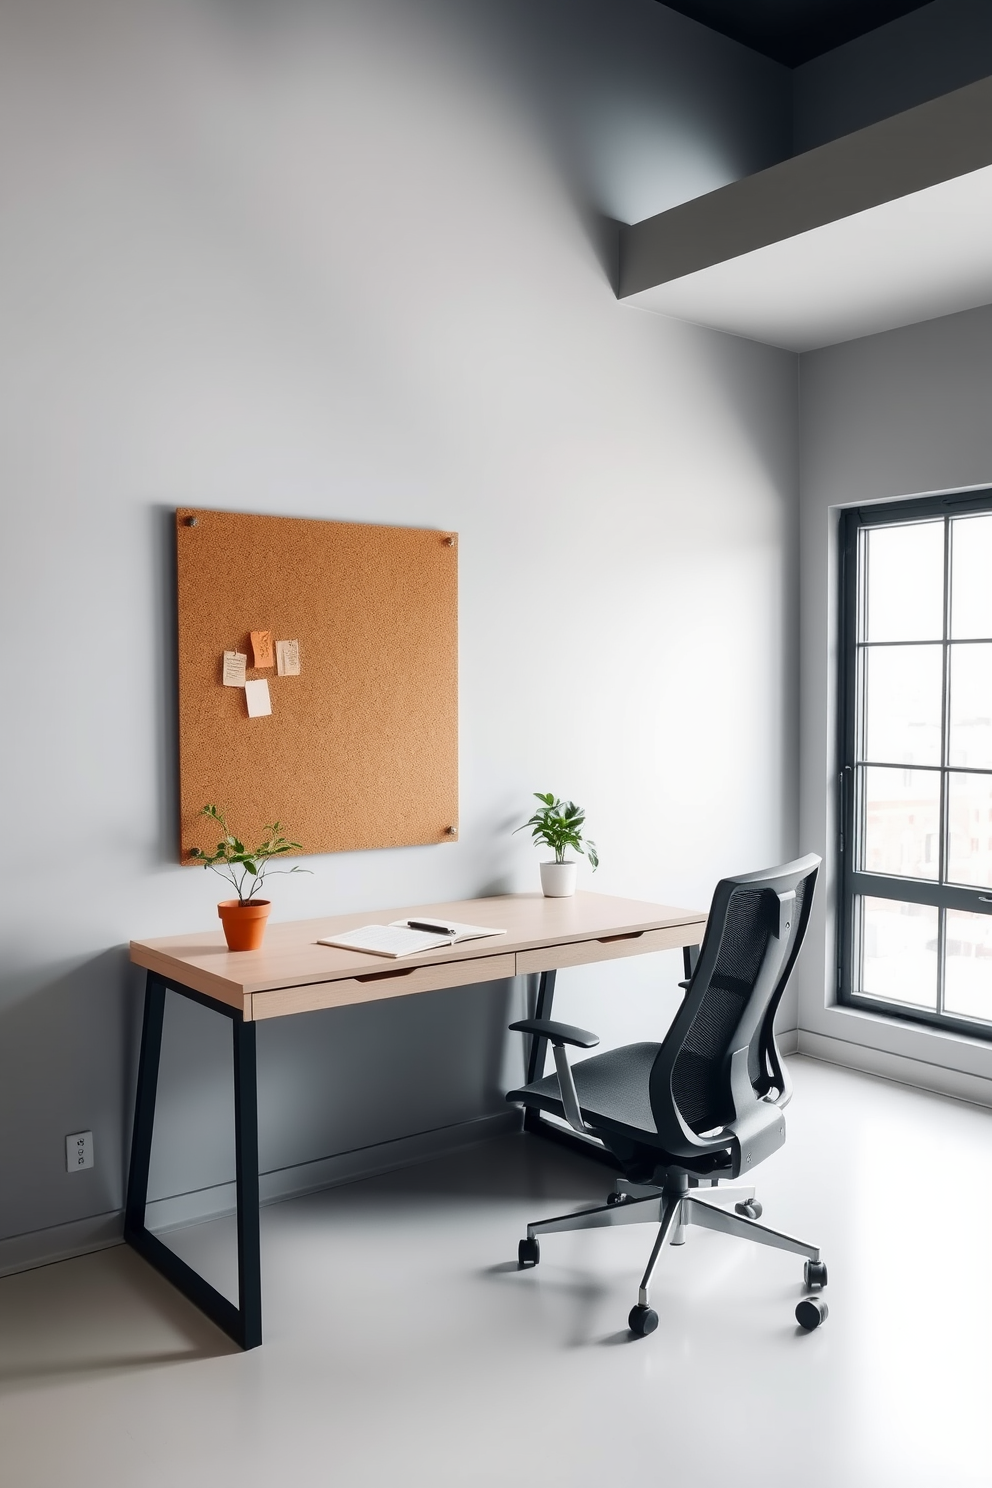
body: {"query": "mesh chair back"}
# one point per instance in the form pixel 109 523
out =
pixel 753 935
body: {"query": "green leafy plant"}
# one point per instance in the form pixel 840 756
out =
pixel 559 825
pixel 243 867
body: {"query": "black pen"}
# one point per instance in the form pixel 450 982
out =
pixel 425 925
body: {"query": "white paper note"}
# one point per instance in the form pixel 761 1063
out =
pixel 288 658
pixel 234 669
pixel 257 698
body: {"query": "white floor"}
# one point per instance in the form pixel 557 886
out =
pixel 403 1347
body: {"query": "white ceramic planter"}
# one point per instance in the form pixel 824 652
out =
pixel 558 879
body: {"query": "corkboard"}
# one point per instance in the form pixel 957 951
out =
pixel 361 749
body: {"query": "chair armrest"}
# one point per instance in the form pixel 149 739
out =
pixel 558 1033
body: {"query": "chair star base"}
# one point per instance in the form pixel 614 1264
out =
pixel 673 1207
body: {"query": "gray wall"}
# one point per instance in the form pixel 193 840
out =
pixel 889 416
pixel 338 261
pixel 942 46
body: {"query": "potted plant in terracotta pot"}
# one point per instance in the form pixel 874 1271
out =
pixel 558 824
pixel 245 917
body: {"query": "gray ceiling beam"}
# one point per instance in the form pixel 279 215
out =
pixel 937 141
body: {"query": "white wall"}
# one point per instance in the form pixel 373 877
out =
pixel 340 260
pixel 896 415
pixel 922 55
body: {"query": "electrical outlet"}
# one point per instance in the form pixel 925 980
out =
pixel 78 1151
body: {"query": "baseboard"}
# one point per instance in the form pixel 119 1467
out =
pixel 787 1040
pixel 61 1242
pixel 80 1237
pixel 329 1172
pixel 899 1067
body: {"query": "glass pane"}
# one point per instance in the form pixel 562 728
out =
pixel 971 706
pixel 968 965
pixel 906 582
pixel 903 694
pixel 971 592
pixel 901 822
pixel 969 829
pixel 899 952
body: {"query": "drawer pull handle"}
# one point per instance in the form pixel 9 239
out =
pixel 630 935
pixel 381 976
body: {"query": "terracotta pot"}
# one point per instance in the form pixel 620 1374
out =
pixel 558 879
pixel 244 924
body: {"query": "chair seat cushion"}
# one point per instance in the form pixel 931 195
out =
pixel 613 1088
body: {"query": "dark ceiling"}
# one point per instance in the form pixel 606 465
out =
pixel 794 31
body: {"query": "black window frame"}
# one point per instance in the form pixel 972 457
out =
pixel 855 883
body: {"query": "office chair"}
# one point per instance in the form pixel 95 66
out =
pixel 704 1105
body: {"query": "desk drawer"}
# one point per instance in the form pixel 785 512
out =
pixel 609 948
pixel 392 981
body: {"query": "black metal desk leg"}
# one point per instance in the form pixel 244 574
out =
pixel 246 1164
pixel 542 1009
pixel 144 1105
pixel 244 1322
pixel 536 1059
pixel 690 955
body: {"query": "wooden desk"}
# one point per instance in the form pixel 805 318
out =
pixel 293 974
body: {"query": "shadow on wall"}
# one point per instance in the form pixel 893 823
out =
pixel 84 1022
pixel 639 110
pixel 347 1079
pixel 394 1068
pixel 632 114
pixel 604 239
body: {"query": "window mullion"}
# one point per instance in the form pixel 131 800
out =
pixel 945 734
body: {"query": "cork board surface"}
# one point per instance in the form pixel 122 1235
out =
pixel 361 749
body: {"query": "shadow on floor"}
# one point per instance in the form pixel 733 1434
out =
pixel 97 1315
pixel 511 1167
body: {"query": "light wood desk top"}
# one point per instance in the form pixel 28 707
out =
pixel 293 974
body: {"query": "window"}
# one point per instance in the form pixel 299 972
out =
pixel 915 806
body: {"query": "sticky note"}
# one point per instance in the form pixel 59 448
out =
pixel 234 669
pixel 257 698
pixel 288 658
pixel 261 645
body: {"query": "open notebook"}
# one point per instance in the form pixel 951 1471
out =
pixel 407 937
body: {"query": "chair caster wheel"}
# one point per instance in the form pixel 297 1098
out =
pixel 750 1210
pixel 528 1254
pixel 815 1274
pixel 811 1312
pixel 642 1320
pixel 616 1198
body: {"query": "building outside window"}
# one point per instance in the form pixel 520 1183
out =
pixel 916 761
